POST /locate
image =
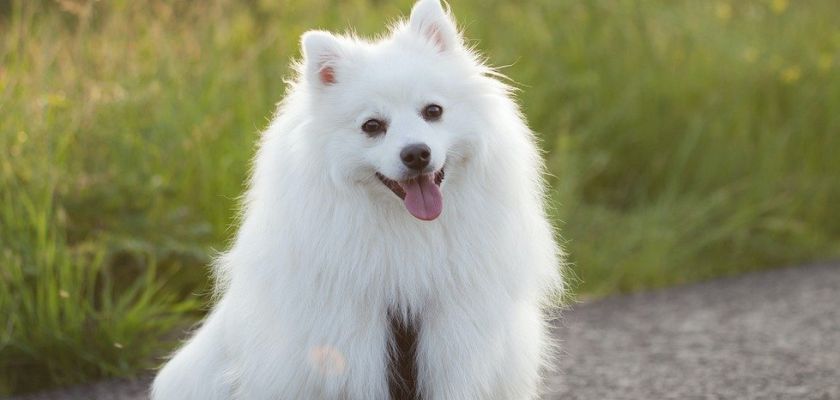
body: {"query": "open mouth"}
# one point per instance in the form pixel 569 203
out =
pixel 421 194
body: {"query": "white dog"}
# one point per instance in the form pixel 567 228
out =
pixel 394 243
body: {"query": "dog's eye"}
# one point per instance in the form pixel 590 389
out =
pixel 373 127
pixel 432 112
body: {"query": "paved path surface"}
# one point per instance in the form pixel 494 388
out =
pixel 770 335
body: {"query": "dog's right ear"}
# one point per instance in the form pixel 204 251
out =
pixel 434 22
pixel 321 52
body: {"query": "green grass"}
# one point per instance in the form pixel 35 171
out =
pixel 685 140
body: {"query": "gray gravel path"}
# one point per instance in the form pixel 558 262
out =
pixel 769 335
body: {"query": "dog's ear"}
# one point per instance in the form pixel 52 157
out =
pixel 321 52
pixel 432 21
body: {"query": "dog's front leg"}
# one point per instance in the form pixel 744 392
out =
pixel 488 349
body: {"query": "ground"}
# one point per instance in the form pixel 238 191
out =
pixel 771 335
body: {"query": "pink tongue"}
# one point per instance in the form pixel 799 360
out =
pixel 422 197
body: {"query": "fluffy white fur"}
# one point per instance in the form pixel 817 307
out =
pixel 325 250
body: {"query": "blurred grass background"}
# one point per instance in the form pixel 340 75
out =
pixel 685 139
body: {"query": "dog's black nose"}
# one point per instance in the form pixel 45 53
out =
pixel 416 156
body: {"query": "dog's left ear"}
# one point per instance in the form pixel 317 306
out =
pixel 432 21
pixel 321 53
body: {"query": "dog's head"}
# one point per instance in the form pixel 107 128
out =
pixel 397 114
